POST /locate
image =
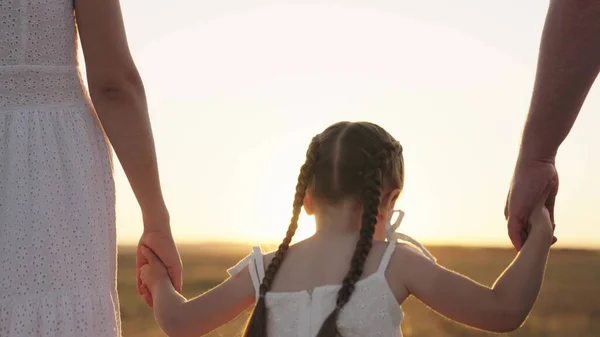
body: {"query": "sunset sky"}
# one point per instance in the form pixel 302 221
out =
pixel 236 90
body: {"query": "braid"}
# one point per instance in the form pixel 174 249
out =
pixel 372 198
pixel 257 325
pixel 393 148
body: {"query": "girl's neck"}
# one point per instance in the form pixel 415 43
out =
pixel 340 220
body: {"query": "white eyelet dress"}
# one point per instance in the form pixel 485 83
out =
pixel 372 310
pixel 57 202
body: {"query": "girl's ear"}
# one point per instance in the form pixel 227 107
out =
pixel 388 203
pixel 308 202
pixel 394 195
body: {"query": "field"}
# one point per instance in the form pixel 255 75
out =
pixel 569 304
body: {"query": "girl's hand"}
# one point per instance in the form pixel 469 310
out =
pixel 153 273
pixel 157 237
pixel 540 219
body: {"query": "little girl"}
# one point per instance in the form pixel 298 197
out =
pixel 346 280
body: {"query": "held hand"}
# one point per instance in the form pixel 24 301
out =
pixel 162 245
pixel 154 272
pixel 532 180
pixel 540 220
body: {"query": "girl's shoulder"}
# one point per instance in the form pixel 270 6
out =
pixel 406 256
pixel 406 262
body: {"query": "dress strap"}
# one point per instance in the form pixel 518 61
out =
pixel 256 267
pixel 387 256
pixel 424 251
pixel 260 264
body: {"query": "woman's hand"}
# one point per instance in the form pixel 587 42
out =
pixel 154 272
pixel 157 237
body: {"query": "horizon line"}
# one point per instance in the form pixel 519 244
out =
pixel 434 244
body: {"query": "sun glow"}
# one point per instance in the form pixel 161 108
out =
pixel 237 92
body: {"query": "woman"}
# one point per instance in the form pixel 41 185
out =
pixel 57 202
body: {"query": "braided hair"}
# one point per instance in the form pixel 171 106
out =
pixel 346 160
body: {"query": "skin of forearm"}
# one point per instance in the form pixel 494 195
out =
pixel 568 64
pixel 516 296
pixel 168 305
pixel 123 113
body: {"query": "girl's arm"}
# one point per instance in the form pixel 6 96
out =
pixel 502 308
pixel 179 317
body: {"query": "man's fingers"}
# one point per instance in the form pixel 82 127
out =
pixel 551 200
pixel 515 229
pixel 506 206
pixel 523 238
pixel 139 281
pixel 542 199
pixel 525 233
pixel 176 279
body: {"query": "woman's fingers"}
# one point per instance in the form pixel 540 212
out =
pixel 149 254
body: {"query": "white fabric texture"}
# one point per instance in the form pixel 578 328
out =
pixel 57 202
pixel 372 310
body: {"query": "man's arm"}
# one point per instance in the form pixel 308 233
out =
pixel 568 64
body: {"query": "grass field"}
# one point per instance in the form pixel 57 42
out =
pixel 569 304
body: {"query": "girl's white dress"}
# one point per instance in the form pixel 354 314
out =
pixel 57 202
pixel 372 310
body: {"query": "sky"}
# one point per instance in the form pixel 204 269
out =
pixel 236 90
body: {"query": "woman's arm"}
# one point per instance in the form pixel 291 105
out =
pixel 178 317
pixel 118 95
pixel 502 308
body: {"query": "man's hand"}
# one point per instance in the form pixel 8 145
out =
pixel 530 182
pixel 162 244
